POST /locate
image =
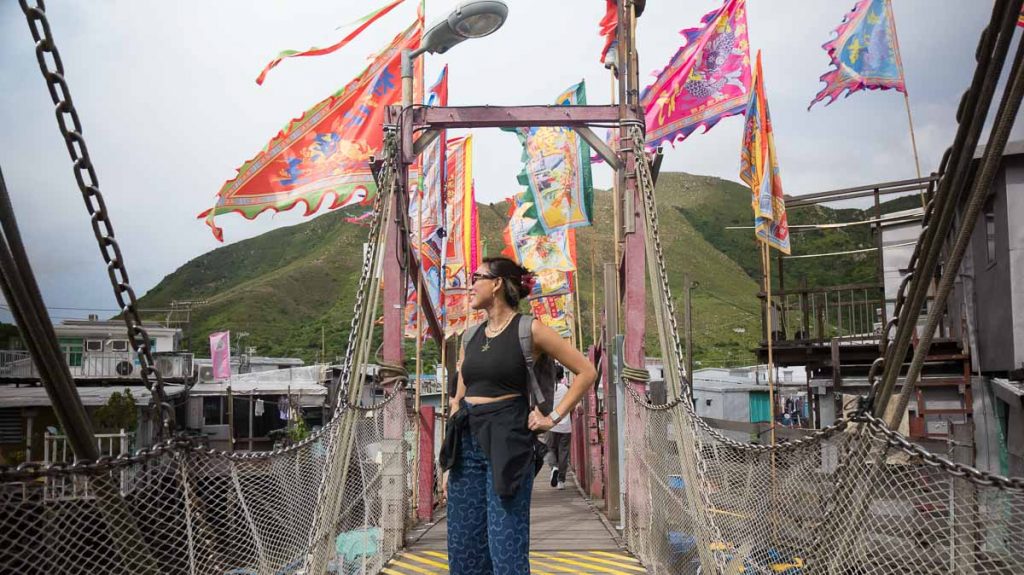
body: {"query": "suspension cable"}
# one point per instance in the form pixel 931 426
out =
pixel 88 185
pixel 992 158
pixel 991 55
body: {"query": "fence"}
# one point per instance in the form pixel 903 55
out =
pixel 98 365
pixel 57 450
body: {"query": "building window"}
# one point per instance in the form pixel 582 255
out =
pixel 990 229
pixel 11 426
pixel 213 411
pixel 120 345
pixel 707 402
pixel 72 349
pixel 94 345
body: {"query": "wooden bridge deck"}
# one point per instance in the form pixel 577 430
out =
pixel 566 536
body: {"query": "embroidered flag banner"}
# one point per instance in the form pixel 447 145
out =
pixel 461 249
pixel 551 282
pixel 708 78
pixel 361 24
pixel 220 354
pixel 609 29
pixel 865 53
pixel 538 252
pixel 557 171
pixel 759 168
pixel 431 195
pixel 553 311
pixel 325 151
pixel 362 219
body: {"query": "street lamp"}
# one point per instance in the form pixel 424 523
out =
pixel 472 19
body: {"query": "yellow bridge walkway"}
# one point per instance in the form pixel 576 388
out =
pixel 566 536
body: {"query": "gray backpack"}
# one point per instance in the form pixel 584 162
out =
pixel 542 371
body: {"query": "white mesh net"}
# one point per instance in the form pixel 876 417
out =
pixel 848 503
pixel 187 510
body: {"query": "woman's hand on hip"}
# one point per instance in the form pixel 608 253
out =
pixel 540 422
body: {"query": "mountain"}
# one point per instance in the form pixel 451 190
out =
pixel 290 287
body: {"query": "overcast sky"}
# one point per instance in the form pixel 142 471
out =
pixel 170 109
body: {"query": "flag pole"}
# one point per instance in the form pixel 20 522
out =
pixel 767 267
pixel 766 263
pixel 906 96
pixel 577 309
pixel 593 293
pixel 913 142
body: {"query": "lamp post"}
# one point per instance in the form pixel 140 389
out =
pixel 473 19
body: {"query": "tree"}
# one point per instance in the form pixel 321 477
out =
pixel 120 412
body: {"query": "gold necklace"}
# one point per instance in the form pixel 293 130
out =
pixel 487 343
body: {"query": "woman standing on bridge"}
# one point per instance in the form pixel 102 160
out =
pixel 491 446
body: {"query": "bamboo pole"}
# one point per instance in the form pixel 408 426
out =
pixel 769 313
pixel 906 101
pixel 593 293
pixel 616 200
pixel 577 310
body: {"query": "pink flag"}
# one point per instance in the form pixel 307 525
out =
pixel 220 353
pixel 707 80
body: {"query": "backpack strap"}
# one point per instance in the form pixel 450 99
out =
pixel 468 335
pixel 526 343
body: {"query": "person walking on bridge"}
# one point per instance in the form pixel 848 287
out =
pixel 491 449
pixel 559 438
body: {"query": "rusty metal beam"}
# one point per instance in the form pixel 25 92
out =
pixel 599 146
pixel 446 118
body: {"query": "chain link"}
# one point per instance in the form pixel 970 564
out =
pixel 70 125
pixel 385 188
pixel 877 428
pixel 874 425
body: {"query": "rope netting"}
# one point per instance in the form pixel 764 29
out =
pixel 850 502
pixel 853 498
pixel 188 510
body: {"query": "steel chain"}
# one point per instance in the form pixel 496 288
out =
pixel 386 187
pixel 645 181
pixel 32 470
pixel 88 185
pixel 875 425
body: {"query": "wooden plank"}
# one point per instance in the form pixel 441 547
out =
pixel 561 522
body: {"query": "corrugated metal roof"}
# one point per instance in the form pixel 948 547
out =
pixel 35 396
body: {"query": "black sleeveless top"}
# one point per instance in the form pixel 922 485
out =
pixel 498 370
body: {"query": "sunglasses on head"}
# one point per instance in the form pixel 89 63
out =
pixel 483 276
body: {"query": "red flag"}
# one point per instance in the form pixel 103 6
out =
pixel 609 28
pixel 325 151
pixel 363 23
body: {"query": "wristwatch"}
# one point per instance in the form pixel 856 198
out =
pixel 555 416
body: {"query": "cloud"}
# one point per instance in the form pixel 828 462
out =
pixel 167 96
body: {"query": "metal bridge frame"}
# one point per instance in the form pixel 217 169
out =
pixel 418 126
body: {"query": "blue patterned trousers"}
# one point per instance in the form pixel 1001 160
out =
pixel 487 534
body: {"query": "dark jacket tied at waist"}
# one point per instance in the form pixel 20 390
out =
pixel 501 431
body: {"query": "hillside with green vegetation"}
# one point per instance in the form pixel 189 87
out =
pixel 288 287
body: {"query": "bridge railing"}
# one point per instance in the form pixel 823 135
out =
pixel 820 314
pixel 848 313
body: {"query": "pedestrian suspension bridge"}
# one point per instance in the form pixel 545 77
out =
pixel 855 497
